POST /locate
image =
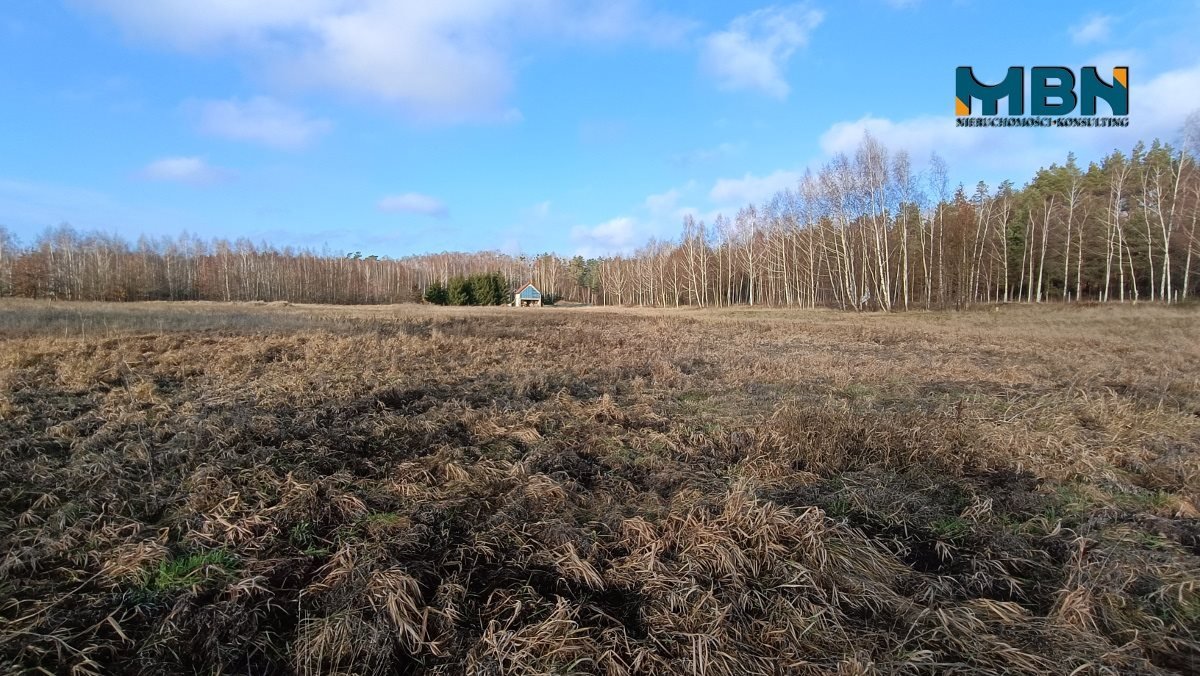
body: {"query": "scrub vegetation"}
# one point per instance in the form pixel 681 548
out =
pixel 237 488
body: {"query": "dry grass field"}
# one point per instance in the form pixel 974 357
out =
pixel 206 488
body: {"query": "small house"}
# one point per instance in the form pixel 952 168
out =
pixel 528 296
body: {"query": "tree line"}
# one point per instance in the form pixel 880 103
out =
pixel 482 289
pixel 866 231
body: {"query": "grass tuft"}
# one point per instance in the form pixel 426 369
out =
pixel 294 489
pixel 191 571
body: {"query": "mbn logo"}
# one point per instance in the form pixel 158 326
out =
pixel 1051 88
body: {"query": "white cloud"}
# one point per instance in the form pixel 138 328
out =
pixel 414 203
pixel 540 210
pixel 435 58
pixel 613 236
pixel 663 212
pixel 1157 109
pixel 753 52
pixel 658 216
pixel 192 170
pixel 612 20
pixel 664 202
pixel 978 153
pixel 196 25
pixel 706 155
pixel 1093 29
pixel 1106 61
pixel 752 189
pixel 29 206
pixel 1160 107
pixel 918 135
pixel 259 120
pixel 706 216
pixel 447 61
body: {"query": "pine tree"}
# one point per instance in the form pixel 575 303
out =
pixel 436 293
pixel 481 289
pixel 499 289
pixel 459 292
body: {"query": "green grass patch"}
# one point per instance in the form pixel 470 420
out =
pixel 838 506
pixel 1083 498
pixel 380 523
pixel 302 534
pixel 190 571
pixel 1145 501
pixel 950 528
pixel 383 520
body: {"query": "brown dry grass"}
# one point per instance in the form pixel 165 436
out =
pixel 275 489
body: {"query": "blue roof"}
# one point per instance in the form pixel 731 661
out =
pixel 530 293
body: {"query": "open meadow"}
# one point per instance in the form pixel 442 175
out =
pixel 242 488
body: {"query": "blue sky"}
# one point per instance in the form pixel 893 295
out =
pixel 572 126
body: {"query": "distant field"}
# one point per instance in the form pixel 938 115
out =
pixel 213 488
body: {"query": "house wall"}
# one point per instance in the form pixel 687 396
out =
pixel 528 296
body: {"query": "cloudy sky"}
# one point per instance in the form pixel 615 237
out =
pixel 575 126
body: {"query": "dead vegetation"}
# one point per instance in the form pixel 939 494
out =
pixel 212 489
